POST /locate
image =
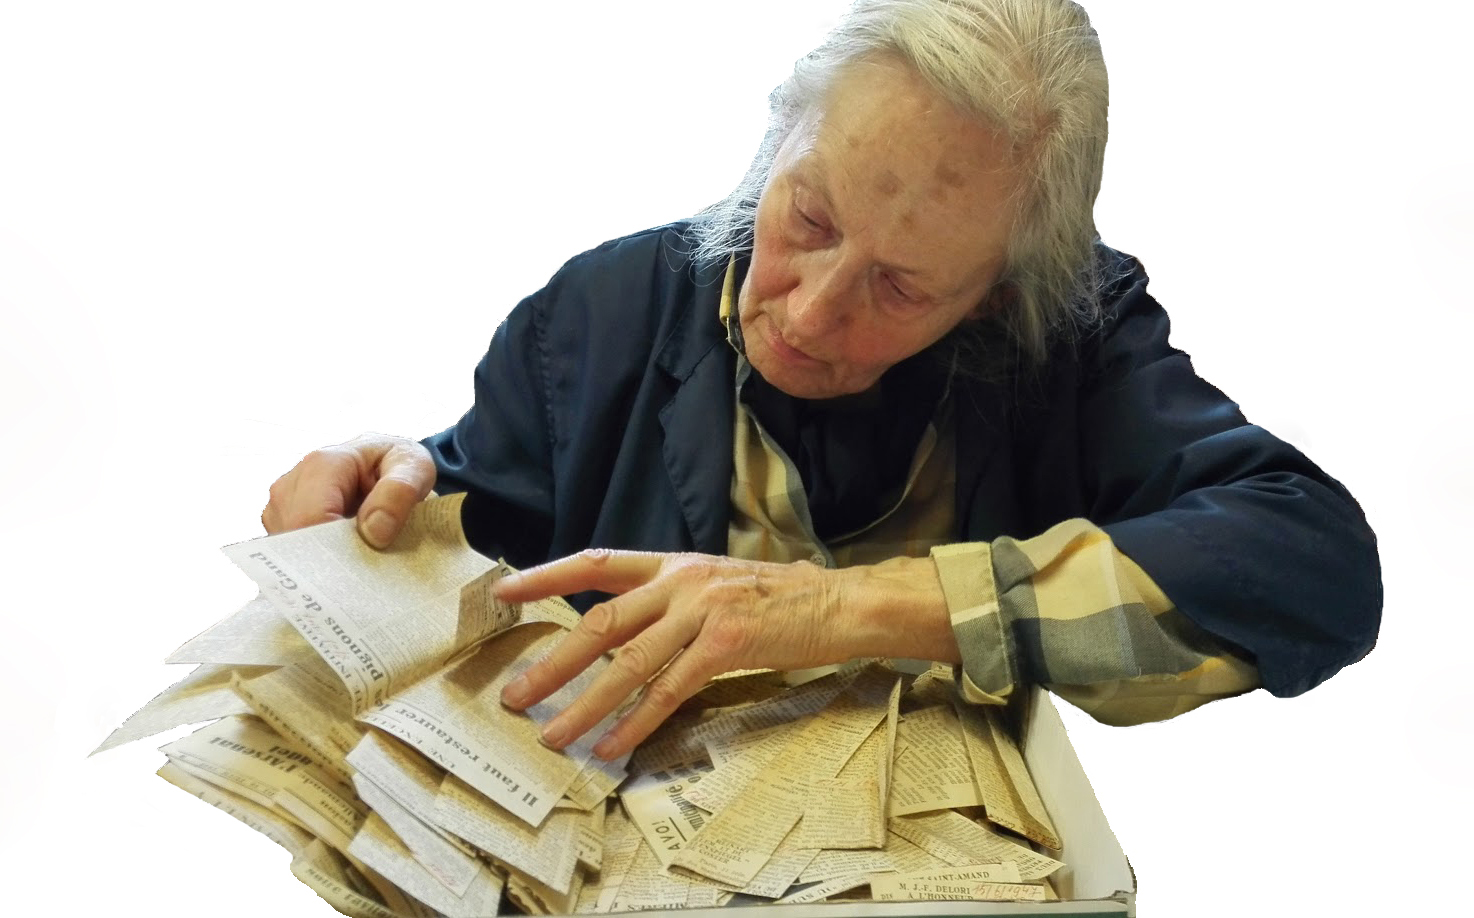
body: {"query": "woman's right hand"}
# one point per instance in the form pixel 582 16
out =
pixel 374 477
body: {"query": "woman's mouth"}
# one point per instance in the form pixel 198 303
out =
pixel 786 352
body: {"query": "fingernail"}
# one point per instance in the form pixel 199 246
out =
pixel 553 735
pixel 605 746
pixel 378 529
pixel 514 693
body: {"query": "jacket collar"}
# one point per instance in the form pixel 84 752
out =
pixel 697 419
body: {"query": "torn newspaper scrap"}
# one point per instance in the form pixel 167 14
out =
pixel 356 723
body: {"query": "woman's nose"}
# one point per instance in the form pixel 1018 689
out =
pixel 821 303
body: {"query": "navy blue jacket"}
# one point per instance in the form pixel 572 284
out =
pixel 604 412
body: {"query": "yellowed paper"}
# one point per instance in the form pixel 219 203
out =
pixel 381 618
pixel 646 885
pixel 737 760
pixel 1009 795
pixel 378 847
pixel 845 811
pixel 822 891
pixel 268 822
pixel 622 841
pixel 404 775
pixel 684 745
pixel 340 884
pixel 963 843
pixel 1006 872
pixel 306 703
pixel 479 612
pixel 889 753
pixel 782 869
pixel 547 854
pixel 658 806
pixel 552 609
pixel 457 721
pixel 594 783
pixel 244 756
pixel 934 773
pixel 835 863
pixel 537 898
pixel 906 857
pixel 204 694
pixel 733 847
pixel 895 888
pixel 451 865
pixel 255 635
pixel 589 841
pixel 739 687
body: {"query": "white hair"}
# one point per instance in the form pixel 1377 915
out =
pixel 1033 72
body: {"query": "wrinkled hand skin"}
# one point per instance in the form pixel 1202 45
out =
pixel 684 618
pixel 377 478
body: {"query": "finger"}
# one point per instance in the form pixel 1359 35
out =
pixel 405 474
pixel 322 487
pixel 684 677
pixel 602 569
pixel 632 667
pixel 604 627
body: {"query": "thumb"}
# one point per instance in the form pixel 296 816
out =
pixel 406 476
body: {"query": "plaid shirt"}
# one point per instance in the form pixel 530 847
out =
pixel 1064 609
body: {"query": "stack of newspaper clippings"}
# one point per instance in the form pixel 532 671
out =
pixel 354 719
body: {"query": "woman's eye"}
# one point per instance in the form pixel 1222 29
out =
pixel 811 222
pixel 901 299
pixel 896 289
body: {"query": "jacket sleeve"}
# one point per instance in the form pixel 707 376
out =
pixel 1252 542
pixel 1068 610
pixel 500 451
pixel 1186 554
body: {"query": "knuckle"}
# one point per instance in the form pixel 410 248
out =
pixel 729 637
pixel 689 570
pixel 596 557
pixel 662 695
pixel 394 490
pixel 405 448
pixel 601 622
pixel 633 659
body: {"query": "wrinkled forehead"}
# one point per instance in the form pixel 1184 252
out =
pixel 886 149
pixel 879 113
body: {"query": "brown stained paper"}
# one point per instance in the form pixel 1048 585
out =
pixel 961 842
pixel 381 618
pixel 547 853
pixel 378 847
pixel 733 847
pixel 244 756
pixel 303 701
pixel 1002 779
pixel 933 773
pixel 380 756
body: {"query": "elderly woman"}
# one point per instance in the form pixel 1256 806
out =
pixel 891 397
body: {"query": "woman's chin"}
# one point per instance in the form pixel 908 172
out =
pixel 814 382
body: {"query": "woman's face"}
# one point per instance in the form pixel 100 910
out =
pixel 882 226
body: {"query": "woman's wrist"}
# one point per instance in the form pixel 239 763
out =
pixel 895 609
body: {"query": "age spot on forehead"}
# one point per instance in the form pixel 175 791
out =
pixel 949 176
pixel 888 183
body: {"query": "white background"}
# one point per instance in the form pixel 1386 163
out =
pixel 230 233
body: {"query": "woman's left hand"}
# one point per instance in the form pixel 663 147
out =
pixel 677 620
